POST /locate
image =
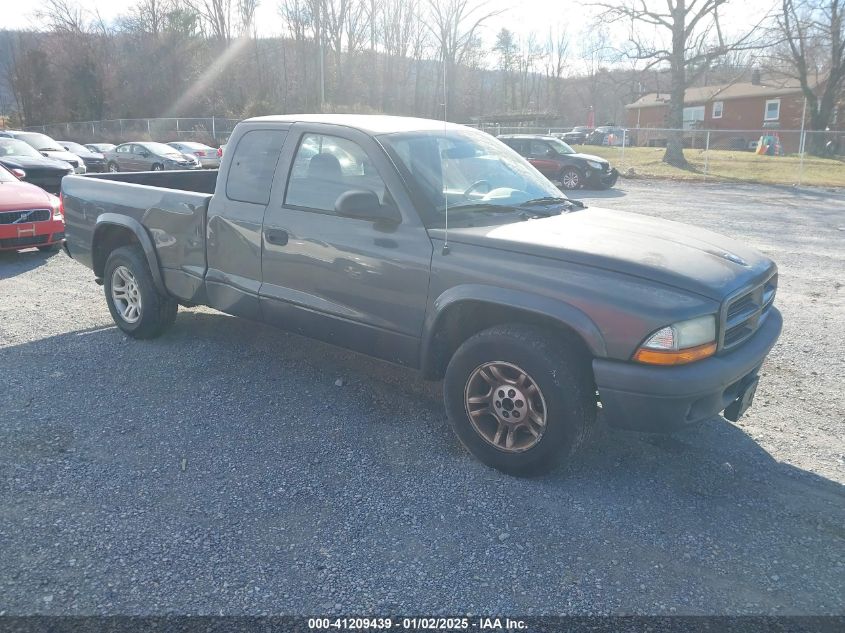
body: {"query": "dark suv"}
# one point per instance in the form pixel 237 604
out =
pixel 559 162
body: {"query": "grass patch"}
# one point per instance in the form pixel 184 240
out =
pixel 647 162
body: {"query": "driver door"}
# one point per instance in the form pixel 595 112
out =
pixel 355 282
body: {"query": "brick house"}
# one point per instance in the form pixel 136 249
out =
pixel 741 110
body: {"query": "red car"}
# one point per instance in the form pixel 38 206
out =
pixel 29 216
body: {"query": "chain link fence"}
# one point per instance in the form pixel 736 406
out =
pixel 209 130
pixel 770 156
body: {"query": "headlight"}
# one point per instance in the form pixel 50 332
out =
pixel 595 164
pixel 680 343
pixel 57 208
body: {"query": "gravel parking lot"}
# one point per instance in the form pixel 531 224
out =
pixel 221 469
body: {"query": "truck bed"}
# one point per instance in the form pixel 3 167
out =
pixel 171 206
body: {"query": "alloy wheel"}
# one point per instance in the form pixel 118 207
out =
pixel 126 294
pixel 571 179
pixel 505 406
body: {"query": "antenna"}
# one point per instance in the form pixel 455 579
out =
pixel 445 250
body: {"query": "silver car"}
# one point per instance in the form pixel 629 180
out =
pixel 147 156
pixel 205 154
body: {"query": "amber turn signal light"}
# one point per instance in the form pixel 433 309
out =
pixel 675 357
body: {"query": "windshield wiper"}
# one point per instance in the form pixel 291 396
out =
pixel 483 206
pixel 577 204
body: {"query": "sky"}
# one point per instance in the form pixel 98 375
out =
pixel 521 16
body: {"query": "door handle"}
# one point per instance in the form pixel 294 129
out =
pixel 279 237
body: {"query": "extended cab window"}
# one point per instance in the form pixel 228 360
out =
pixel 325 167
pixel 253 166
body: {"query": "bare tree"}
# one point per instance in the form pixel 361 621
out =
pixel 812 50
pixel 685 35
pixel 454 25
pixel 217 17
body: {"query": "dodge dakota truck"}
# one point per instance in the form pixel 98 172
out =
pixel 437 247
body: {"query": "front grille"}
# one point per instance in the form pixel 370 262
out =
pixel 24 216
pixel 20 242
pixel 743 313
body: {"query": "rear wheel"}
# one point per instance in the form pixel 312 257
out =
pixel 135 303
pixel 570 178
pixel 113 167
pixel 521 399
pixel 157 167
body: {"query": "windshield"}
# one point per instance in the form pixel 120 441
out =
pixel 469 169
pixel 162 150
pixel 76 148
pixel 6 176
pixel 41 142
pixel 560 146
pixel 14 147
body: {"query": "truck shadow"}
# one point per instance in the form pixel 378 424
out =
pixel 232 401
pixel 13 263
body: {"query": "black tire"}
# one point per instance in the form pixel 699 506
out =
pixel 158 312
pixel 113 167
pixel 571 178
pixel 561 372
pixel 51 248
pixel 157 167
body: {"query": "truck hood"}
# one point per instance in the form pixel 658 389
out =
pixel 663 251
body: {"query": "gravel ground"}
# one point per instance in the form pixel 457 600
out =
pixel 221 469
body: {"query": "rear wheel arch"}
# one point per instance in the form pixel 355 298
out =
pixel 113 233
pixel 459 320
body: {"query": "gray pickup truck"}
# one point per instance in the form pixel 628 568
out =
pixel 438 247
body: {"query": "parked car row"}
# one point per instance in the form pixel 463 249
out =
pixel 603 135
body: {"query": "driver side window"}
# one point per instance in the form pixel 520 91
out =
pixel 539 149
pixel 324 168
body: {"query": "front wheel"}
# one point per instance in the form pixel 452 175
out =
pixel 136 305
pixel 113 168
pixel 158 167
pixel 520 398
pixel 570 178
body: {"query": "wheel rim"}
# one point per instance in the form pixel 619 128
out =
pixel 156 167
pixel 126 294
pixel 571 179
pixel 113 168
pixel 505 406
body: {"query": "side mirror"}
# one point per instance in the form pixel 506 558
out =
pixel 20 174
pixel 45 154
pixel 551 153
pixel 364 205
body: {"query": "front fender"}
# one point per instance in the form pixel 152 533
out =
pixel 105 220
pixel 556 310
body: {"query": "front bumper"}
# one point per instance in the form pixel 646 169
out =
pixel 664 399
pixel 603 179
pixel 96 168
pixel 17 236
